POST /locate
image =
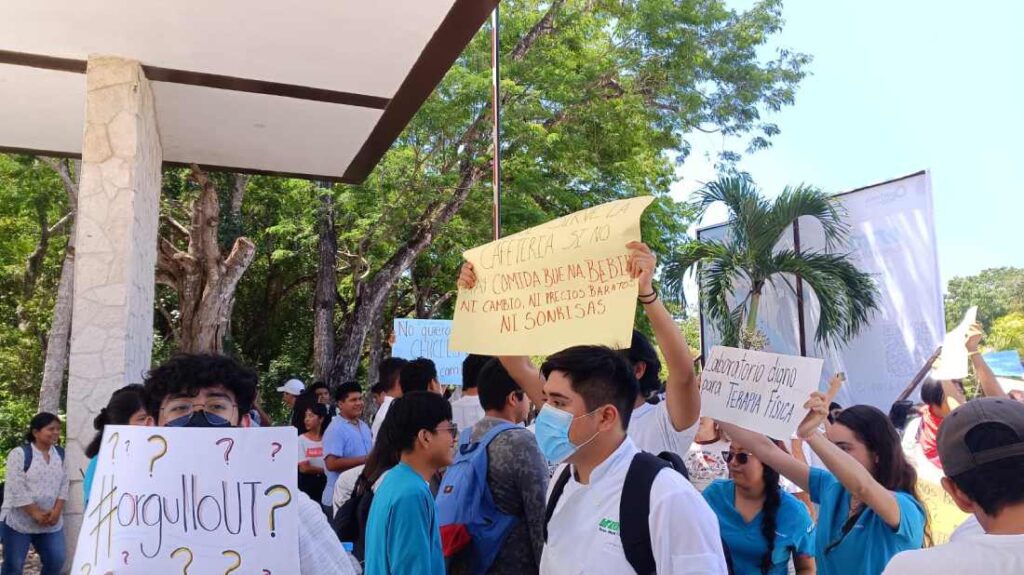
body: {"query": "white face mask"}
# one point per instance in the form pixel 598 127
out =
pixel 552 429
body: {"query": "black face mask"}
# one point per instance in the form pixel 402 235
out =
pixel 199 419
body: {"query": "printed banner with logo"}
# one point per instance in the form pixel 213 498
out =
pixel 893 239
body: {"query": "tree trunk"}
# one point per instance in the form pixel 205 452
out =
pixel 370 297
pixel 326 291
pixel 204 280
pixel 59 339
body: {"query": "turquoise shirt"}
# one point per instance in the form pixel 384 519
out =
pixel 794 530
pixel 87 481
pixel 870 544
pixel 402 533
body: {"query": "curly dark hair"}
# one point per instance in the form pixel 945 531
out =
pixel 188 374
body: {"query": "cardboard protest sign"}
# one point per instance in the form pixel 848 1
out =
pixel 760 391
pixel 177 500
pixel 553 286
pixel 429 338
pixel 943 514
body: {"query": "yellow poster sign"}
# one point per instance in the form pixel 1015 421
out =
pixel 553 286
pixel 944 514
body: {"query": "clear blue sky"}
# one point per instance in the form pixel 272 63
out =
pixel 896 87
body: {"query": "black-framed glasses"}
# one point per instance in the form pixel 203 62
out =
pixel 452 428
pixel 740 457
pixel 181 407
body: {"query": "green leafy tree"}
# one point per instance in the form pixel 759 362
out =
pixel 845 295
pixel 1007 332
pixel 598 98
pixel 996 292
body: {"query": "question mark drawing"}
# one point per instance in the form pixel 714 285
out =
pixel 124 556
pixel 277 448
pixel 188 562
pixel 238 560
pixel 227 452
pixel 115 437
pixel 127 445
pixel 278 505
pixel 163 452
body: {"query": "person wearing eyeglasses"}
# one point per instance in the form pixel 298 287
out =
pixel 869 509
pixel 762 524
pixel 402 531
pixel 197 390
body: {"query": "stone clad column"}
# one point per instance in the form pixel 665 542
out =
pixel 115 254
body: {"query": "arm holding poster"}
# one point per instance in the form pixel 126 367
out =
pixel 854 476
pixel 986 378
pixel 682 394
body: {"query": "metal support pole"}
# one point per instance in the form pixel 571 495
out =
pixel 496 121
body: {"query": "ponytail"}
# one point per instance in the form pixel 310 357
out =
pixel 770 510
pixel 123 404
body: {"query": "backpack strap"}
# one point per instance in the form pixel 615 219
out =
pixel 634 509
pixel 556 494
pixel 26 448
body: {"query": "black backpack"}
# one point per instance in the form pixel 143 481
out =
pixel 349 523
pixel 634 507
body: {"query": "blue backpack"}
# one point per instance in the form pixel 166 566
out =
pixel 472 527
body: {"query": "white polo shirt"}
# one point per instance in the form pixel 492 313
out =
pixel 378 418
pixel 650 428
pixel 583 532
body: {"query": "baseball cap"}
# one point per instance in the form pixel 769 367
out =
pixel 293 387
pixel 956 455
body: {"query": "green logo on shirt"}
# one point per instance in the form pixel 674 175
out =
pixel 609 526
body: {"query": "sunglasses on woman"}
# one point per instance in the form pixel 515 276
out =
pixel 741 458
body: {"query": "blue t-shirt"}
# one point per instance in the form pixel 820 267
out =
pixel 90 472
pixel 794 530
pixel 870 544
pixel 344 439
pixel 402 533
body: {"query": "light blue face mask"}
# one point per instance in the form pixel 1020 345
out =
pixel 552 427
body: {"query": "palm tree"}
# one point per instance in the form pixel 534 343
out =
pixel 846 296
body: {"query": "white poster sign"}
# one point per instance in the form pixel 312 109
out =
pixel 760 391
pixel 177 500
pixel 429 338
pixel 952 362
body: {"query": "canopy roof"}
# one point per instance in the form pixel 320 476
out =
pixel 317 89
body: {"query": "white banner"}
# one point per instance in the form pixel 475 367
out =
pixel 763 392
pixel 893 238
pixel 177 500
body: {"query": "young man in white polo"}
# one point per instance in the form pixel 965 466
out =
pixel 590 394
pixel 981 445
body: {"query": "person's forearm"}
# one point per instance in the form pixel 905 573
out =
pixel 526 375
pixel 58 507
pixel 856 479
pixel 339 464
pixel 986 379
pixel 682 396
pixel 854 476
pixel 770 454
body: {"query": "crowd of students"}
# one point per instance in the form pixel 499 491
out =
pixel 616 472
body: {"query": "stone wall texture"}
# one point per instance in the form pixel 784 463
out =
pixel 115 257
